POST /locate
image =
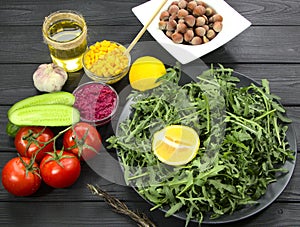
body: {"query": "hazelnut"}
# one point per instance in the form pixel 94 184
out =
pixel 181 20
pixel 164 15
pixel 205 17
pixel 162 25
pixel 173 17
pixel 196 41
pixel 182 13
pixel 173 9
pixel 182 4
pixel 217 26
pixel 216 17
pixel 181 27
pixel 189 35
pixel 171 25
pixel 169 33
pixel 190 20
pixel 191 6
pixel 200 31
pixel 209 11
pixel 199 2
pixel 177 37
pixel 206 27
pixel 199 11
pixel 205 39
pixel 200 21
pixel 211 34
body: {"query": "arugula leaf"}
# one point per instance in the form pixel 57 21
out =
pixel 243 143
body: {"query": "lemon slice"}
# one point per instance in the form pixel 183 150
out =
pixel 144 73
pixel 176 144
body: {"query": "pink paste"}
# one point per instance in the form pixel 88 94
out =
pixel 95 101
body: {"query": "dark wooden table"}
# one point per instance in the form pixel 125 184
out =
pixel 270 49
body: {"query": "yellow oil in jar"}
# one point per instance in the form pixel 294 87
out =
pixel 68 46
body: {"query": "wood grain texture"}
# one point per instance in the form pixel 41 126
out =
pixel 97 213
pixel 283 78
pixel 254 45
pixel 266 13
pixel 275 12
pixel 103 12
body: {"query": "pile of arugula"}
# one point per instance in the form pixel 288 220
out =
pixel 243 143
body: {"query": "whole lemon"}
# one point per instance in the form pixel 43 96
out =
pixel 145 71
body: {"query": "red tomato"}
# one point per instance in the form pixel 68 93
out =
pixel 60 169
pixel 21 177
pixel 30 139
pixel 83 140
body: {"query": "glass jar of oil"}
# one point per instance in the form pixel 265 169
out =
pixel 65 32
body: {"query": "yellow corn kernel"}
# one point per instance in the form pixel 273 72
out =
pixel 105 43
pixel 98 61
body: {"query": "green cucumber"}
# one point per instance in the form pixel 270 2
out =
pixel 45 115
pixel 59 97
pixel 12 129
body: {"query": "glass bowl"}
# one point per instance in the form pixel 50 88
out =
pixel 97 102
pixel 106 62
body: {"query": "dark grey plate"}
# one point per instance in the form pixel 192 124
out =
pixel 274 189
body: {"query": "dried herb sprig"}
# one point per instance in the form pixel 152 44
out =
pixel 140 218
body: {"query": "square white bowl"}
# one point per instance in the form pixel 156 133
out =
pixel 233 24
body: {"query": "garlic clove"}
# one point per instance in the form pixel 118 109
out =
pixel 49 77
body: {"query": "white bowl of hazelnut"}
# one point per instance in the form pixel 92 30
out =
pixel 190 22
pixel 189 29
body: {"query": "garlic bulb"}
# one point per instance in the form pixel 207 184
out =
pixel 49 77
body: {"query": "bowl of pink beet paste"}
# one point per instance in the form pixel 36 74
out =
pixel 97 102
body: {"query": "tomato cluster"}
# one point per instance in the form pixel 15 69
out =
pixel 39 160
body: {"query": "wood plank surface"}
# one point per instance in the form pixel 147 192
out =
pixel 259 12
pixel 255 45
pixel 97 213
pixel 283 78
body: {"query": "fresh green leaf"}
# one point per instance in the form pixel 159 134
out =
pixel 243 143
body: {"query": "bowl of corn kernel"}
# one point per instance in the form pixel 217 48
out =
pixel 106 61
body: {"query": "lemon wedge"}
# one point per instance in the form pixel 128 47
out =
pixel 144 73
pixel 176 144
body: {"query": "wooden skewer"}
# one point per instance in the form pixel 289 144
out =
pixel 139 35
